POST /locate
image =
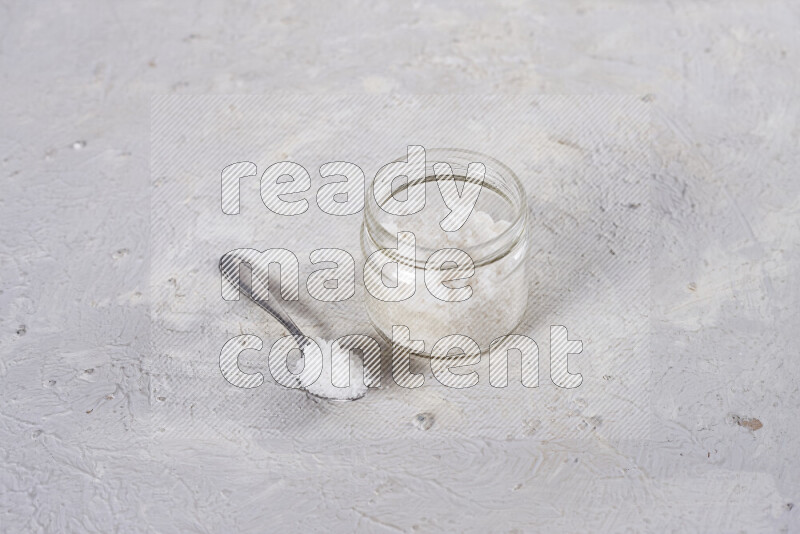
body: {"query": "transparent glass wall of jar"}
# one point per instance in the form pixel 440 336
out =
pixel 494 236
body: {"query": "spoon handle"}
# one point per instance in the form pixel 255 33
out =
pixel 229 267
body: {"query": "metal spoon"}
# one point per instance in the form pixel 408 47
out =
pixel 229 267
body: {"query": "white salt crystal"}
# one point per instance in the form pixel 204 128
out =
pixel 499 288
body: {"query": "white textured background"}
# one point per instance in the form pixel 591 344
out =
pixel 584 161
pixel 78 451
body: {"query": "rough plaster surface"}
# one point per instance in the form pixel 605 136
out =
pixel 78 448
pixel 584 162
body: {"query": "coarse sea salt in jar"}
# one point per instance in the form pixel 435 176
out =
pixel 399 247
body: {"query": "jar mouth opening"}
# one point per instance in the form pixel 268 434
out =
pixel 482 252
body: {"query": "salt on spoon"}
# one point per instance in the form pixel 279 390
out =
pixel 322 387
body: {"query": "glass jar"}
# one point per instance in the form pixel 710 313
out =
pixel 494 236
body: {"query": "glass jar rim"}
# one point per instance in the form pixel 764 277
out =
pixel 483 252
